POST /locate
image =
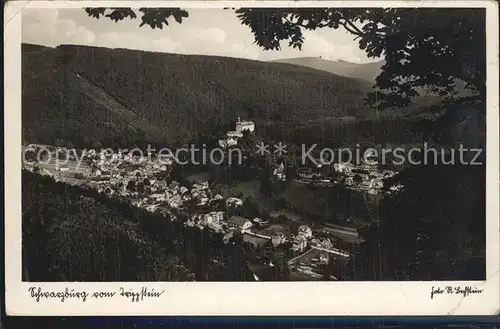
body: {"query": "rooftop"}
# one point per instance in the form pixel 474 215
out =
pixel 246 123
pixel 238 220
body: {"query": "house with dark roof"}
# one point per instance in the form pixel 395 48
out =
pixel 240 223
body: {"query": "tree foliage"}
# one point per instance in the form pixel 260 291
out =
pixel 434 229
pixel 424 48
pixel 154 17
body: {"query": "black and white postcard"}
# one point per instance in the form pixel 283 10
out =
pixel 251 158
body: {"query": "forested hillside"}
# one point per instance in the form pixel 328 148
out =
pixel 88 96
pixel 71 235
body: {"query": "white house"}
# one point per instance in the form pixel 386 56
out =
pixel 305 231
pixel 324 257
pixel 231 141
pixel 343 167
pixel 203 185
pixel 279 172
pixel 190 222
pixel 260 221
pixel 175 202
pixel 234 202
pixel 279 175
pixel 388 173
pixel 240 223
pixel 375 184
pixel 152 208
pixel 326 244
pixel 299 243
pixel 222 143
pixel 228 142
pixel 396 187
pixel 212 218
pixel 217 216
pixel 202 201
pixel 234 134
pixel 244 126
pixel 158 196
pixel 278 238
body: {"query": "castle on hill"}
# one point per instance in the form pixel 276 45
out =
pixel 233 136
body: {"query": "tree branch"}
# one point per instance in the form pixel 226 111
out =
pixel 350 30
pixel 354 27
pixel 306 26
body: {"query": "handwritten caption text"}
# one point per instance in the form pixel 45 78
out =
pixel 458 290
pixel 39 294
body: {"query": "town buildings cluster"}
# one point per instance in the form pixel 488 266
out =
pixel 366 177
pixel 143 182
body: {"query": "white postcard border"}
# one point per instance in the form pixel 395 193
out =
pixel 244 298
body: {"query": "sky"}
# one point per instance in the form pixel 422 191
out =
pixel 208 31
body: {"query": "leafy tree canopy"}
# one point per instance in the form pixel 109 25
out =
pixel 424 48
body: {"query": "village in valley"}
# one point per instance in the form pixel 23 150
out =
pixel 198 201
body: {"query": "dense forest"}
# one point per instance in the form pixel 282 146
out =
pixel 435 229
pixel 118 97
pixel 335 134
pixel 70 235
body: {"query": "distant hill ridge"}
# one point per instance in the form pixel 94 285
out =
pixel 363 71
pixel 91 96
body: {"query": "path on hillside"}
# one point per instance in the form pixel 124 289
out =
pixel 102 97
